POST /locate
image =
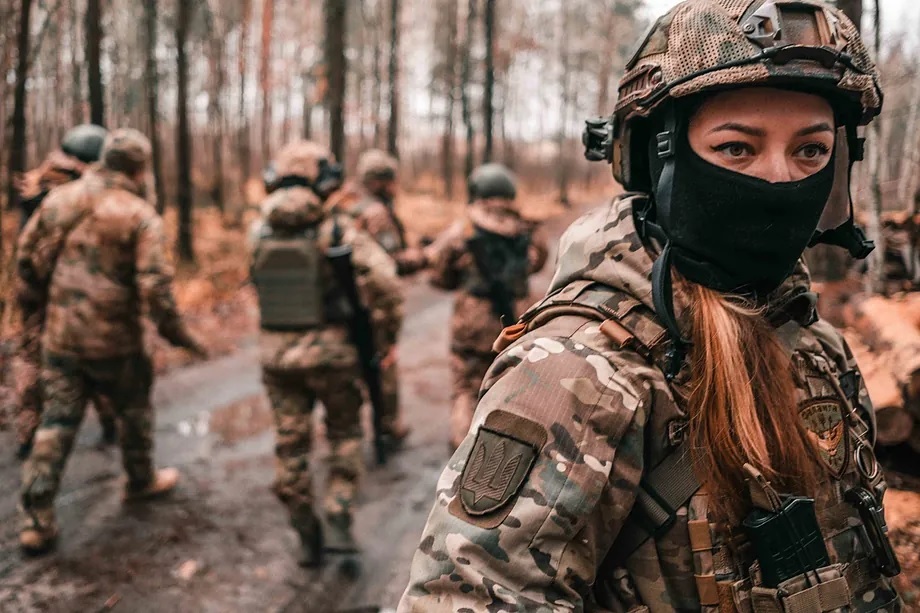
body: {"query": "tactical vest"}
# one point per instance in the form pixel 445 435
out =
pixel 501 262
pixel 288 276
pixel 670 484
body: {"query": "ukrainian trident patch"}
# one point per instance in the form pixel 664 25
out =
pixel 495 471
pixel 827 429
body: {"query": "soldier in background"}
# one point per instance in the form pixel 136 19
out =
pixel 307 352
pixel 80 146
pixel 370 202
pixel 95 254
pixel 488 256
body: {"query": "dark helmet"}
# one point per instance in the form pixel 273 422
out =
pixel 84 142
pixel 492 181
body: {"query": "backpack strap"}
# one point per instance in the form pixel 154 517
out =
pixel 632 326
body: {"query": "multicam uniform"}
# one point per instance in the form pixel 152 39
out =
pixel 321 362
pixel 575 490
pixel 58 169
pixel 374 213
pixel 96 249
pixel 582 416
pixel 474 324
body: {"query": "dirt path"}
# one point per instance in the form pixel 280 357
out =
pixel 222 542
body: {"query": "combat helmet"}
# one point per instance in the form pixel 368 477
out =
pixel 84 142
pixel 377 164
pixel 492 181
pixel 305 163
pixel 126 150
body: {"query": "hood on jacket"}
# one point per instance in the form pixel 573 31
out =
pixel 292 209
pixel 604 246
pixel 498 215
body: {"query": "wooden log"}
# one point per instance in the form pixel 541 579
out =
pixel 886 327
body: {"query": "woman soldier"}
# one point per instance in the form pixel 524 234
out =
pixel 673 428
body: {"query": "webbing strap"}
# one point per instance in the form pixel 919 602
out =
pixel 666 488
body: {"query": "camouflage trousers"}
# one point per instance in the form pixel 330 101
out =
pixel 67 385
pixel 28 390
pixel 293 395
pixel 389 384
pixel 468 369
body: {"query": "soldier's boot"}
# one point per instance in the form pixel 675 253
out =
pixel 23 450
pixel 39 532
pixel 310 530
pixel 395 435
pixel 109 432
pixel 339 539
pixel 164 481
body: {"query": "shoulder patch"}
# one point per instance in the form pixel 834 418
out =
pixel 501 458
pixel 827 428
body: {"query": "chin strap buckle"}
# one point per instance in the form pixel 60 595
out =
pixel 666 148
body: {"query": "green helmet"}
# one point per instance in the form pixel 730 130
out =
pixel 492 181
pixel 84 142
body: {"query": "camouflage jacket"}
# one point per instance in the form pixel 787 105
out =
pixel 379 219
pixel 474 326
pixel 93 259
pixel 57 169
pixel 378 287
pixel 530 507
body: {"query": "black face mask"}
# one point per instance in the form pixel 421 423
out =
pixel 735 233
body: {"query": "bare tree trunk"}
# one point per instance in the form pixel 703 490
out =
pixel 152 79
pixel 215 107
pixel 76 109
pixel 308 93
pixel 393 131
pixel 465 79
pixel 876 277
pixel 183 137
pixel 376 74
pixel 268 15
pixel 93 61
pixel 337 69
pixel 243 137
pixel 566 83
pixel 488 107
pixel 447 148
pixel 17 160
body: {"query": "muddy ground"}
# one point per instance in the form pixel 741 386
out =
pixel 222 542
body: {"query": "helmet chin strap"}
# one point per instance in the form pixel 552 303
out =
pixel 662 286
pixel 849 236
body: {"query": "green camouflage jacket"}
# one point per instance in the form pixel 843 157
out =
pixel 529 508
pixel 93 260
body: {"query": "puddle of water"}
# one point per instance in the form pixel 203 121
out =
pixel 242 419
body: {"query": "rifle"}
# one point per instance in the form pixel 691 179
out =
pixel 499 292
pixel 362 335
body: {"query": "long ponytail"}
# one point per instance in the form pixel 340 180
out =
pixel 743 402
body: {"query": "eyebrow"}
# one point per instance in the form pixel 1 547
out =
pixel 751 131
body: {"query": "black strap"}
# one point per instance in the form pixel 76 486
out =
pixel 665 489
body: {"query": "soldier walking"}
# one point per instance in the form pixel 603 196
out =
pixel 79 147
pixel 308 351
pixel 370 202
pixel 95 254
pixel 488 256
